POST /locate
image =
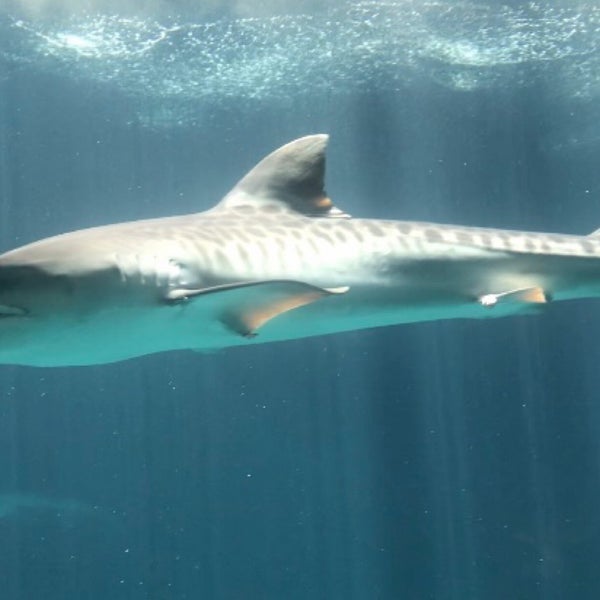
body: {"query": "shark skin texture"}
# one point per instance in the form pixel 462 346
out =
pixel 274 260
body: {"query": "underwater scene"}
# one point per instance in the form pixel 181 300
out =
pixel 154 446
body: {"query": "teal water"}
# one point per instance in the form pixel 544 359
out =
pixel 444 461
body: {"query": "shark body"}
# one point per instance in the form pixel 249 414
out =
pixel 274 260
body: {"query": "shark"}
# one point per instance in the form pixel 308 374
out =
pixel 14 504
pixel 274 260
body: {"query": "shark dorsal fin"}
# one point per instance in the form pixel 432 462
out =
pixel 290 178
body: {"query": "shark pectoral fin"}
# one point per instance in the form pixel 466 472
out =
pixel 270 300
pixel 177 295
pixel 11 311
pixel 245 307
pixel 532 295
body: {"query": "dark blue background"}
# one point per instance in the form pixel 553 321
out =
pixel 449 461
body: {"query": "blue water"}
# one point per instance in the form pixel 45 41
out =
pixel 445 461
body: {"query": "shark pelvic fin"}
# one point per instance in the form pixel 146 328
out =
pixel 290 178
pixel 532 295
pixel 245 307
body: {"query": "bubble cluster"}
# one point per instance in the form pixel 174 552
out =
pixel 461 45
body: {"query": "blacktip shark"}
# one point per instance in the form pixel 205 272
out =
pixel 273 260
